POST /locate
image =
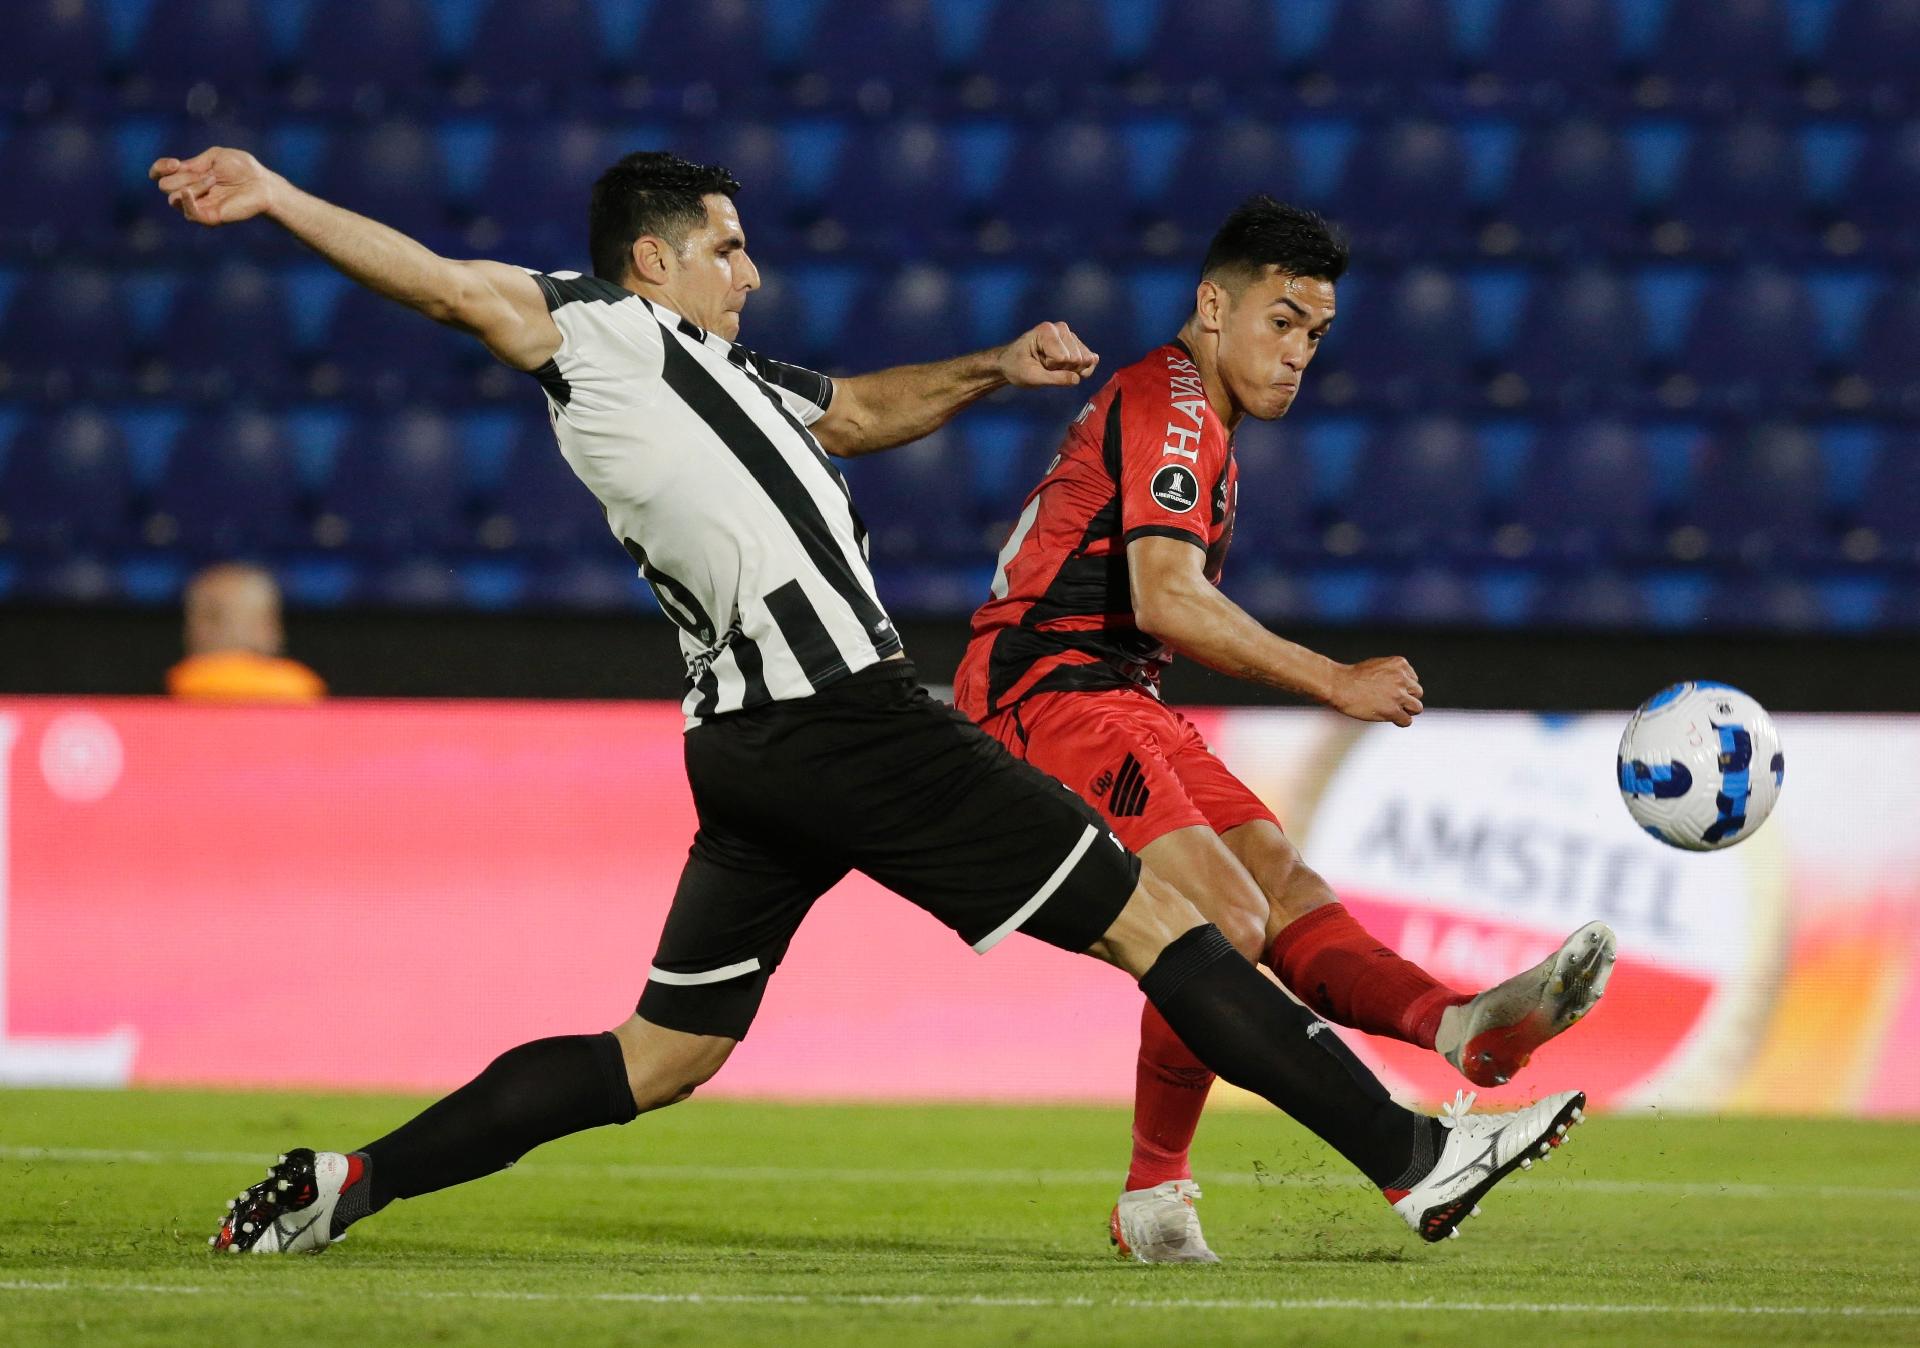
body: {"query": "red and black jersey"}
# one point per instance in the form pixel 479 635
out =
pixel 1147 457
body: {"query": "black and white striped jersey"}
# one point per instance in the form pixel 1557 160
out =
pixel 698 451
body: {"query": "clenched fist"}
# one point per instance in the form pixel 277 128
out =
pixel 1046 355
pixel 1384 689
pixel 217 186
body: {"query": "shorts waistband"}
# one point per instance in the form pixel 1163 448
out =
pixel 885 671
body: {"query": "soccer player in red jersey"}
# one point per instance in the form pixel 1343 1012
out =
pixel 1111 568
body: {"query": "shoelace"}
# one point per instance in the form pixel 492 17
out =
pixel 1452 1114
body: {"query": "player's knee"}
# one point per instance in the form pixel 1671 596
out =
pixel 665 1066
pixel 1293 889
pixel 1155 915
pixel 1244 924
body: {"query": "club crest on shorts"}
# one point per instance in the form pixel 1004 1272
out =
pixel 1176 488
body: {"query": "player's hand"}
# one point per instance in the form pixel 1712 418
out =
pixel 217 186
pixel 1385 689
pixel 1045 357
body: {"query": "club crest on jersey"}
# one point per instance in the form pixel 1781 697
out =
pixel 1176 488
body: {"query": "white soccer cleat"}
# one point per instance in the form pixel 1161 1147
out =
pixel 1491 1037
pixel 1480 1151
pixel 1160 1226
pixel 288 1212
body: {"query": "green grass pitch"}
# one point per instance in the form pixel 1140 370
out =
pixel 747 1223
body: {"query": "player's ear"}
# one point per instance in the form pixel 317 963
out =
pixel 1210 302
pixel 649 258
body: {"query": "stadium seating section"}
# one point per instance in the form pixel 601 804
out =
pixel 1632 337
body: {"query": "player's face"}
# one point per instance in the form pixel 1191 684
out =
pixel 1268 335
pixel 714 273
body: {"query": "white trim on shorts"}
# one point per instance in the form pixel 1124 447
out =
pixel 720 975
pixel 1041 895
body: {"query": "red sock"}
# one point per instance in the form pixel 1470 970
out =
pixel 1335 967
pixel 1169 1091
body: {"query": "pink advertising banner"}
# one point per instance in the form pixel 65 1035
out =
pixel 387 894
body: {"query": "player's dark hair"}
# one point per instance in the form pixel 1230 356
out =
pixel 1262 233
pixel 648 192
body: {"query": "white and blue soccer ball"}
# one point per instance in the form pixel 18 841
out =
pixel 1700 766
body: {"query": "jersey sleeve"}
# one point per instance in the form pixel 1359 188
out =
pixel 806 393
pixel 1170 453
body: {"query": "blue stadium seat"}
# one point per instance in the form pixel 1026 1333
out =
pixel 357 55
pixel 1868 53
pixel 717 48
pixel 1587 494
pixel 1888 521
pixel 1006 456
pixel 226 333
pixel 893 191
pixel 63 579
pixel 891 492
pixel 1885 359
pixel 1883 200
pixel 1591 599
pixel 1576 191
pixel 1735 353
pixel 1097 305
pixel 1387 48
pixel 874 55
pixel 66 484
pixel 376 349
pixel 65 334
pixel 1419 489
pixel 1410 343
pixel 183 44
pixel 1764 603
pixel 66 57
pixel 230 486
pixel 1580 342
pixel 1405 190
pixel 590 584
pixel 774 323
pixel 398 487
pixel 1739 191
pixel 62 194
pixel 1039 56
pixel 1549 52
pixel 532 55
pixel 393 172
pixel 1762 499
pixel 531 202
pixel 541 506
pixel 917 314
pixel 754 154
pixel 1713 55
pixel 1275 520
pixel 1221 47
pixel 1428 596
pixel 1221 167
pixel 423 582
pixel 1062 190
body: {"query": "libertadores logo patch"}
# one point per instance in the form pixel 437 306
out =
pixel 1176 488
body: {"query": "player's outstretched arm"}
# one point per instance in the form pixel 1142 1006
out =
pixel 500 305
pixel 877 411
pixel 1174 601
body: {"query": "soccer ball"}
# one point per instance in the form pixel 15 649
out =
pixel 1700 766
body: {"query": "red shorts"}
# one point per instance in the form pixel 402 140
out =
pixel 1130 756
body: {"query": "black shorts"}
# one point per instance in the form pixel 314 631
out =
pixel 873 775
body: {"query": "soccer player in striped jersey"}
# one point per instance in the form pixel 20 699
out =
pixel 811 749
pixel 1112 567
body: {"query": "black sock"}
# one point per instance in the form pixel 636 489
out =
pixel 1255 1036
pixel 527 1095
